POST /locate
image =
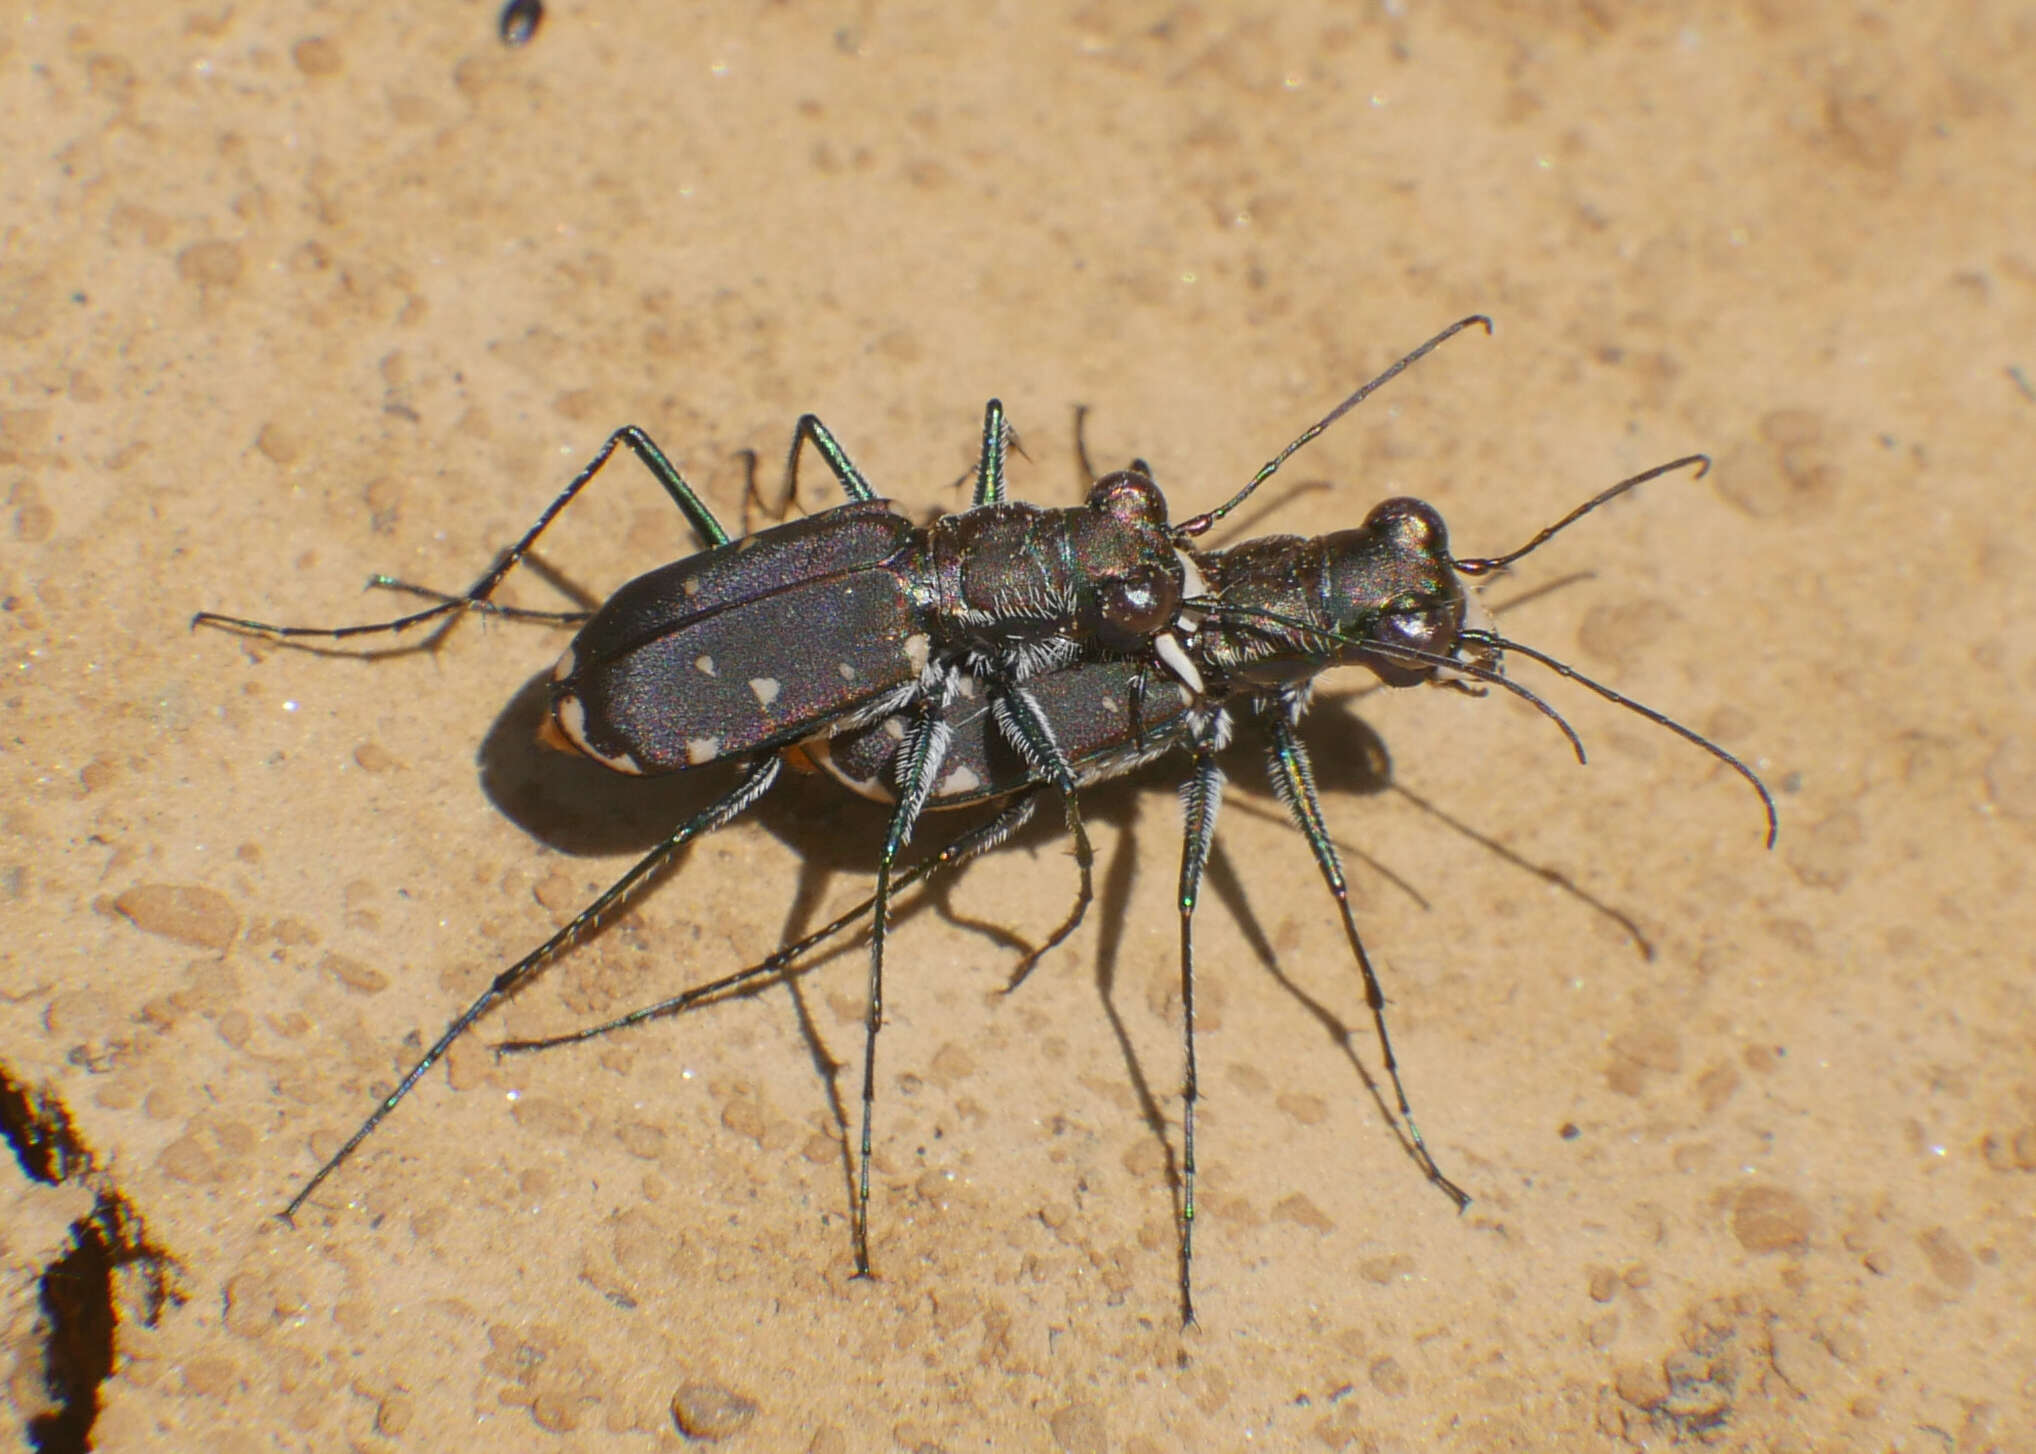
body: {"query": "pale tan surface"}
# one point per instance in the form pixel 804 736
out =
pixel 359 289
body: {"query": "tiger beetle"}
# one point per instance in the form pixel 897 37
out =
pixel 845 618
pixel 1387 595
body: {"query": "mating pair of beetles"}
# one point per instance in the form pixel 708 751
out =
pixel 1002 651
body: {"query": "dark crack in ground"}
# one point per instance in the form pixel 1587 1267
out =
pixel 109 1270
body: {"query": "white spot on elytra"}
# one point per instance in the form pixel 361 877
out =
pixel 823 757
pixel 918 650
pixel 702 749
pixel 690 585
pixel 571 715
pixel 959 780
pixel 846 669
pixel 572 720
pixel 704 665
pixel 766 689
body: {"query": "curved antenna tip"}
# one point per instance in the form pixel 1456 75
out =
pixel 1481 565
pixel 1493 640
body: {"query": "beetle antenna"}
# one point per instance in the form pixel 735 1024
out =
pixel 1495 642
pixel 1413 656
pixel 1485 565
pixel 1201 524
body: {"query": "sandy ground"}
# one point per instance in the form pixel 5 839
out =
pixel 297 292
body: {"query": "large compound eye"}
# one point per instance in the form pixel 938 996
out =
pixel 1411 524
pixel 1134 607
pixel 1420 624
pixel 1130 497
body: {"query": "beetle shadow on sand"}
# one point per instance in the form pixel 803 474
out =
pixel 579 808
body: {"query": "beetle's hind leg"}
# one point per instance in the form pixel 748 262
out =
pixel 783 962
pixel 755 782
pixel 478 596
